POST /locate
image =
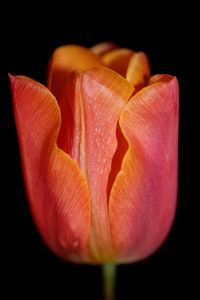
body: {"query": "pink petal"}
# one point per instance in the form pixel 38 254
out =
pixel 57 191
pixel 143 198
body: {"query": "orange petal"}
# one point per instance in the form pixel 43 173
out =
pixel 56 189
pixel 138 71
pixel 102 48
pixel 65 60
pixel 143 198
pixel 96 98
pixel 118 60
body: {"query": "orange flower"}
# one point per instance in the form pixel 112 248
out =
pixel 99 153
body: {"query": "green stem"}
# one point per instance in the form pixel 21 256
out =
pixel 109 275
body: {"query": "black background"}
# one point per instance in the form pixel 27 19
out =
pixel 29 35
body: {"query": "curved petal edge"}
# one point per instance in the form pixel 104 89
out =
pixel 143 198
pixel 60 207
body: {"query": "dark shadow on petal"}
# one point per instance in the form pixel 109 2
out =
pixel 122 147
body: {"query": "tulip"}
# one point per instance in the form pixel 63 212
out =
pixel 99 151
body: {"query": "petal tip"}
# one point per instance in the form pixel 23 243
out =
pixel 11 77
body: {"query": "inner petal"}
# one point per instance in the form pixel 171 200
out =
pixel 64 61
pixel 103 48
pixel 138 71
pixel 118 60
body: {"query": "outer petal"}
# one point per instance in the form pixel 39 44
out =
pixel 143 198
pixel 118 60
pixel 104 95
pixel 96 98
pixel 57 192
pixel 65 60
pixel 138 71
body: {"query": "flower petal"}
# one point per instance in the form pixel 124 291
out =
pixel 65 60
pixel 96 98
pixel 104 96
pixel 102 48
pixel 118 60
pixel 138 71
pixel 57 192
pixel 143 198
